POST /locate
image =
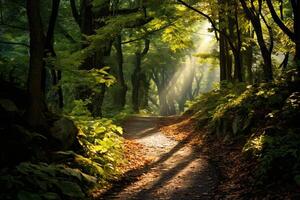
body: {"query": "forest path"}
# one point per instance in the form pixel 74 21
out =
pixel 178 170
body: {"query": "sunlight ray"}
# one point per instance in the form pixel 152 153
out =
pixel 204 43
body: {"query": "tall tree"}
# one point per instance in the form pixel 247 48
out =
pixel 40 46
pixel 222 41
pixel 36 107
pixel 50 52
pixel 88 21
pixel 293 35
pixel 256 17
pixel 121 93
pixel 136 76
pixel 233 38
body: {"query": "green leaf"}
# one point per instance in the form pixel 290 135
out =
pixel 119 129
pixel 70 189
pixel 51 196
pixel 24 195
pixel 100 129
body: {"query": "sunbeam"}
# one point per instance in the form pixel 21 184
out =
pixel 180 84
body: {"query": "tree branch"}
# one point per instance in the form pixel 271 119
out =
pixel 75 13
pixel 148 33
pixel 15 43
pixel 279 22
pixel 146 48
pixel 211 21
pixel 51 26
pixel 270 30
pixel 285 61
pixel 281 9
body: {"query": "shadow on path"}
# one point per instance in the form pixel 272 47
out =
pixel 180 173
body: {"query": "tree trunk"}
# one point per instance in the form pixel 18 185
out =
pixel 181 105
pixel 88 24
pixel 136 76
pixel 222 42
pixel 267 67
pixel 163 105
pixel 60 91
pixel 297 33
pixel 248 63
pixel 222 59
pixel 87 27
pixel 145 91
pixel 35 116
pixel 171 105
pixel 285 61
pixel 266 53
pixel 135 79
pixel 235 37
pixel 294 36
pixel 120 99
pixel 238 76
pixel 228 64
pixel 97 102
pixel 297 55
pixel 50 52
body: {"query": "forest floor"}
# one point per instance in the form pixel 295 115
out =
pixel 165 161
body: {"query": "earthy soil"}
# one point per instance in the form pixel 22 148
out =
pixel 179 169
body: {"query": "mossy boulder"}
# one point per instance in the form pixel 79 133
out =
pixel 64 132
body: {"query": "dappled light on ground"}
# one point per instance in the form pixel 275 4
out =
pixel 165 176
pixel 182 130
pixel 134 156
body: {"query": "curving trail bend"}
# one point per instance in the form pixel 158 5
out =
pixel 178 171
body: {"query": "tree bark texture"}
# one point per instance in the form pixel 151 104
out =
pixel 35 116
pixel 136 76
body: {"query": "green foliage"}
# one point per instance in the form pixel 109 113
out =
pixel 113 27
pixel 68 175
pixel 101 142
pixel 74 80
pixel 278 155
pixel 239 110
pixel 118 116
pixel 88 78
pixel 207 104
pixel 44 181
pixel 278 143
pixel 13 64
pixel 265 115
pixel 171 28
pixel 79 108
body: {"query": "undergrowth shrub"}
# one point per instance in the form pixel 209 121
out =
pixel 101 141
pixel 69 174
pixel 278 157
pixel 102 145
pixel 276 146
pixel 266 116
pixel 205 106
pixel 246 110
pixel 39 181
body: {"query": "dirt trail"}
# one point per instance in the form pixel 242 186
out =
pixel 178 171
